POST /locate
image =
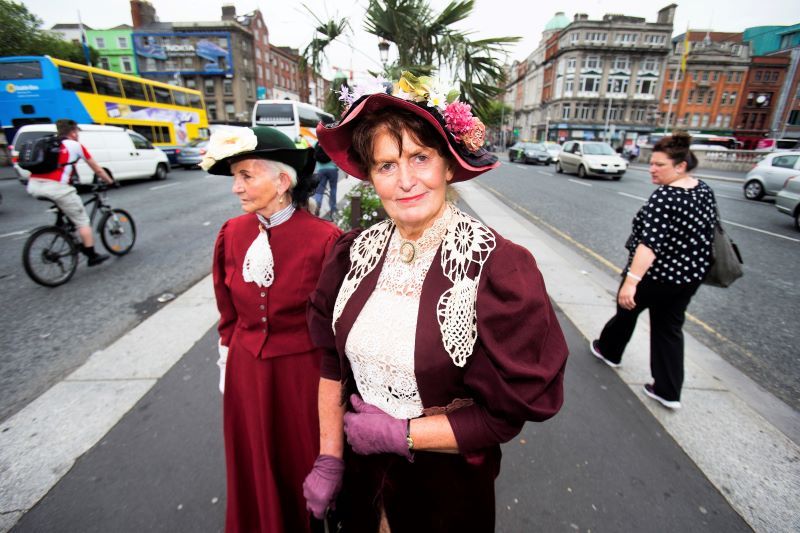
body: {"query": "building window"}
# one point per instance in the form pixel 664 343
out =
pixel 212 111
pixel 733 97
pixel 705 75
pixel 127 64
pixel 614 113
pixel 667 95
pixel 724 99
pixel 260 71
pixel 223 42
pixel 704 121
pixel 638 114
pixel 169 64
pixel 676 97
pixel 590 84
pixel 227 87
pixel 122 42
pixel 617 85
pixel 685 119
pixel 750 99
pixel 701 95
pixel 728 76
pixel 710 97
pixel 645 86
pixel 596 37
pixel 650 64
pixel 569 85
pixel 230 111
pixel 585 111
pixel 592 63
pixel 626 38
pixel 726 121
pixel 718 121
pixel 150 64
pixel 775 75
pixel 691 96
pixel 671 75
pixel 188 63
pixel 103 62
pixel 190 83
pixel 695 120
pixel 716 76
pixel 571 64
pixel 100 42
pixel 622 63
pixel 209 87
pixel 565 111
pixel 258 52
pixel 758 75
pixel 738 77
pixel 736 50
pixel 573 37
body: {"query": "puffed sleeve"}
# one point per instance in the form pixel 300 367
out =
pixel 319 312
pixel 654 217
pixel 517 370
pixel 223 265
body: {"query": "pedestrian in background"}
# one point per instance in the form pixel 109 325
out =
pixel 328 174
pixel 669 255
pixel 266 263
pixel 440 340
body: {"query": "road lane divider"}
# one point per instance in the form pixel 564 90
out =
pixel 543 173
pixel 157 187
pixel 761 231
pixel 578 182
pixel 632 196
pixel 13 233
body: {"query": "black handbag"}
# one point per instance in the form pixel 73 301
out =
pixel 726 261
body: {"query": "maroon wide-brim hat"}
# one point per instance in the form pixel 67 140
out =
pixel 336 138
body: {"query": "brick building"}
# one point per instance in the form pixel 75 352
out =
pixel 763 84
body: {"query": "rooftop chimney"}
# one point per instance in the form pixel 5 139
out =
pixel 228 12
pixel 667 14
pixel 142 13
pixel 581 16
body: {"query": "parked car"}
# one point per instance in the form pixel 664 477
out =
pixel 554 149
pixel 124 154
pixel 788 199
pixel 191 153
pixel 768 175
pixel 172 154
pixel 587 158
pixel 529 153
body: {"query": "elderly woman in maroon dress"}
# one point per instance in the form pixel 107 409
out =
pixel 266 263
pixel 440 340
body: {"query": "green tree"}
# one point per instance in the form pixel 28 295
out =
pixel 494 113
pixel 22 35
pixel 427 41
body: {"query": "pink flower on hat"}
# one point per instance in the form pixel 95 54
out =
pixel 458 117
pixel 474 138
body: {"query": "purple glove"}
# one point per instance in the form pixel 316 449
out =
pixel 322 485
pixel 369 430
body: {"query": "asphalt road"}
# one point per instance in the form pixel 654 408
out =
pixel 753 324
pixel 46 333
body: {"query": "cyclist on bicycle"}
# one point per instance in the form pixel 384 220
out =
pixel 57 185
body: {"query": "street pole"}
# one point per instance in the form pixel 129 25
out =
pixel 608 112
pixel 671 97
pixel 547 125
pixel 503 123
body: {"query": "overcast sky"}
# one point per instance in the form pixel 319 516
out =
pixel 290 25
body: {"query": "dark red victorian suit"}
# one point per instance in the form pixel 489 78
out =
pixel 514 374
pixel 270 402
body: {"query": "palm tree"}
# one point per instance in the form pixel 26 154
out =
pixel 326 33
pixel 427 41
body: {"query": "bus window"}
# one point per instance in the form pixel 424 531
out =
pixel 162 95
pixel 22 70
pixel 144 131
pixel 107 85
pixel 308 118
pixel 133 89
pixel 179 97
pixel 275 114
pixel 75 80
pixel 195 101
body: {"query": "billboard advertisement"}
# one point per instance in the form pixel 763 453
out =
pixel 183 53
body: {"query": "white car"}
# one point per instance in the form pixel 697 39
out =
pixel 586 158
pixel 124 154
pixel 769 174
pixel 554 149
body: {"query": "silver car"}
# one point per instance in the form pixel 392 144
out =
pixel 591 159
pixel 769 174
pixel 190 155
pixel 788 199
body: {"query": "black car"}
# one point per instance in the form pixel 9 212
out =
pixel 530 153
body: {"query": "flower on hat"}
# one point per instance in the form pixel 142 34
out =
pixel 226 142
pixel 431 93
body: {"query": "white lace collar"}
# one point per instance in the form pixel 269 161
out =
pixel 466 242
pixel 259 265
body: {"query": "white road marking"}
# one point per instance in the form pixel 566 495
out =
pixel 521 166
pixel 164 186
pixel 543 173
pixel 14 233
pixel 761 231
pixel 632 196
pixel 577 182
pixel 718 195
pixel 208 176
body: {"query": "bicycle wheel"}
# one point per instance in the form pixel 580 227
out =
pixel 117 231
pixel 50 256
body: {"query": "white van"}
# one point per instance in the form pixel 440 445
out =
pixel 124 154
pixel 295 119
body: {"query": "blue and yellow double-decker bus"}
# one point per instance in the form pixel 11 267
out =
pixel 36 90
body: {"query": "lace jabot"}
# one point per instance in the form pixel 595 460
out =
pixel 465 243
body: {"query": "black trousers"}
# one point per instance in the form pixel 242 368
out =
pixel 667 303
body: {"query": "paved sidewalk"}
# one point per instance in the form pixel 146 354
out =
pixel 633 460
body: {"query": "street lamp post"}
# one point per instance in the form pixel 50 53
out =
pixel 383 49
pixel 608 110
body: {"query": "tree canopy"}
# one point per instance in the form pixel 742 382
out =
pixel 22 35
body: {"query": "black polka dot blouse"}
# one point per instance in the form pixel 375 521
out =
pixel 678 225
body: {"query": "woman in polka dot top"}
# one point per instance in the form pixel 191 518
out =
pixel 670 253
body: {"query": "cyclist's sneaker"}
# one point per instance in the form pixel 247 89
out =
pixel 96 259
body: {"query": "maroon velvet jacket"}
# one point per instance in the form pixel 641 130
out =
pixel 516 370
pixel 270 321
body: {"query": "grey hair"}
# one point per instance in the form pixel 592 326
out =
pixel 278 167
